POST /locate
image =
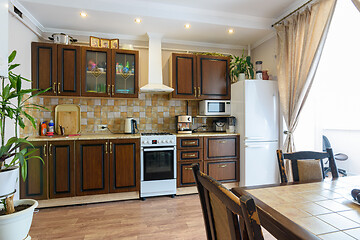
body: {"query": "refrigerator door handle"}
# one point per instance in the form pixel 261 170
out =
pixel 256 146
pixel 254 138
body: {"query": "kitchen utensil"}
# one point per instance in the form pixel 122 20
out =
pixel 183 124
pixel 220 125
pixel 68 116
pixel 62 38
pixel 130 125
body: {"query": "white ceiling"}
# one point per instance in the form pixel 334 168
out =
pixel 209 19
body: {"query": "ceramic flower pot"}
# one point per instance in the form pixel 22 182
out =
pixel 16 226
pixel 8 180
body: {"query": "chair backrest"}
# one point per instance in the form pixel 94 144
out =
pixel 225 215
pixel 305 165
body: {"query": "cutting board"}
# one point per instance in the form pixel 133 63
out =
pixel 68 116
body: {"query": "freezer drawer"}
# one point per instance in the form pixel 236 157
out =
pixel 258 164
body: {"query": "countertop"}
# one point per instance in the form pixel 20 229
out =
pixel 119 136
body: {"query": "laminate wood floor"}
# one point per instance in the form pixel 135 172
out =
pixel 156 218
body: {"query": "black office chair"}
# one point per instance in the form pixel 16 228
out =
pixel 337 156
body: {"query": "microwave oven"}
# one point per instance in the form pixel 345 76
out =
pixel 214 108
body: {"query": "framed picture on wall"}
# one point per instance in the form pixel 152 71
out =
pixel 114 43
pixel 104 43
pixel 94 41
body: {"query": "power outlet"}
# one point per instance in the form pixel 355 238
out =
pixel 102 127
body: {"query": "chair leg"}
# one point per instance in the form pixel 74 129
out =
pixel 343 172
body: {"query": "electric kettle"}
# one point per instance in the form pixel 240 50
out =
pixel 130 125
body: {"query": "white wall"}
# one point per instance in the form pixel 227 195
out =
pixel 3 38
pixel 266 52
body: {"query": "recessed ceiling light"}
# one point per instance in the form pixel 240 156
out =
pixel 137 20
pixel 187 25
pixel 231 31
pixel 83 14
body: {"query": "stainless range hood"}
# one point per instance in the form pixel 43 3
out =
pixel 155 80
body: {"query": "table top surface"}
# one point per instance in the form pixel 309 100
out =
pixel 325 209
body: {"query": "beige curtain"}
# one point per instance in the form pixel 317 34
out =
pixel 356 3
pixel 300 39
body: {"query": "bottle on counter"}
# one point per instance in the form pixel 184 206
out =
pixel 50 131
pixel 43 129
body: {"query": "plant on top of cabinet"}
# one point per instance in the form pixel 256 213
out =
pixel 241 65
pixel 16 112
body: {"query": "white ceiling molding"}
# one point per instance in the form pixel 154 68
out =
pixel 28 15
pixel 204 44
pixel 167 11
pixel 264 39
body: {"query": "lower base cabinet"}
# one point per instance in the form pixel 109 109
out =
pixel 78 168
pixel 223 171
pixel 185 173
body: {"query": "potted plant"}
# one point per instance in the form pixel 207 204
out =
pixel 241 67
pixel 15 216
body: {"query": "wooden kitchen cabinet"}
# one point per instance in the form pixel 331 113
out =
pixel 95 72
pixel 197 77
pixel 223 171
pixel 185 174
pixel 36 183
pixel 68 80
pixel 124 165
pixel 183 74
pixel 61 161
pixel 221 147
pixel 124 73
pixel 92 167
pixel 57 67
pixel 44 67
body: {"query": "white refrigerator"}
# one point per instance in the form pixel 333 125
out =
pixel 255 105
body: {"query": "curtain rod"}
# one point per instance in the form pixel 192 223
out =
pixel 292 13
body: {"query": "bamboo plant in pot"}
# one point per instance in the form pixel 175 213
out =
pixel 15 216
pixel 241 68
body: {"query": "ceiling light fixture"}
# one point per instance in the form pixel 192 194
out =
pixel 83 14
pixel 6 5
pixel 137 20
pixel 187 26
pixel 231 31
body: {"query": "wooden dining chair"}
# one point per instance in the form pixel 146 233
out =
pixel 307 166
pixel 226 216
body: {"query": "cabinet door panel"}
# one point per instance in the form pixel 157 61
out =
pixel 195 154
pixel 43 67
pixel 187 143
pixel 185 174
pixel 92 167
pixel 224 171
pixel 183 76
pixel 213 77
pixel 36 185
pixel 124 165
pixel 68 70
pixel 221 147
pixel 61 169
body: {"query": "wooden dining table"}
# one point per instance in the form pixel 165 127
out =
pixel 316 210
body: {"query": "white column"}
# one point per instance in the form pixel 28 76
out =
pixel 4 33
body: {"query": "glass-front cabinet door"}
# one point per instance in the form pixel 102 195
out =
pixel 125 73
pixel 96 65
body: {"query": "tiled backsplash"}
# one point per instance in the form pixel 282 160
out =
pixel 152 112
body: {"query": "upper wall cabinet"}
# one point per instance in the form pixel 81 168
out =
pixel 200 77
pixel 95 72
pixel 56 67
pixel 70 70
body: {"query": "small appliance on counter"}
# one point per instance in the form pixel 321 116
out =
pixel 183 124
pixel 220 125
pixel 231 122
pixel 131 125
pixel 214 108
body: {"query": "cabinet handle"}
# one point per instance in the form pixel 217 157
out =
pixel 108 90
pixel 195 91
pixel 222 166
pixel 44 149
pixel 58 87
pixel 54 87
pixel 190 155
pixel 199 94
pixel 106 148
pixel 50 149
pixel 113 89
pixel 110 147
pixel 223 141
pixel 188 168
pixel 190 143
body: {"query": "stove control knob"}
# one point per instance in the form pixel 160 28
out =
pixel 171 141
pixel 161 141
pixel 147 142
pixel 167 141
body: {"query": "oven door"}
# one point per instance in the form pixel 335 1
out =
pixel 158 163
